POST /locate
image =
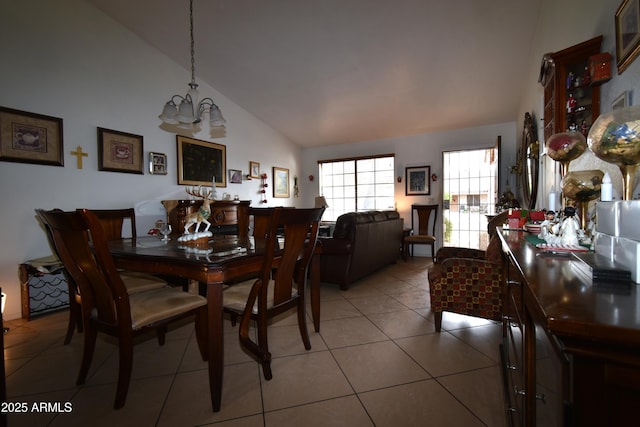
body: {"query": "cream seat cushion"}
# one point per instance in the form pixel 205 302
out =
pixel 140 282
pixel 235 296
pixel 158 304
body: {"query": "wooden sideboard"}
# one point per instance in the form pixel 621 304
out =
pixel 227 216
pixel 571 351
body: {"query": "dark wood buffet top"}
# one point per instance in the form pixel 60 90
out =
pixel 563 299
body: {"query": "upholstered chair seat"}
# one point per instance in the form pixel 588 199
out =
pixel 467 281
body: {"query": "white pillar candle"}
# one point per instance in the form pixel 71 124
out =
pixel 606 189
pixel 552 199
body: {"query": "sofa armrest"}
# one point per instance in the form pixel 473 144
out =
pixel 447 252
pixel 331 246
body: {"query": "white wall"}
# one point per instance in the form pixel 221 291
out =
pixel 563 24
pixel 418 150
pixel 66 59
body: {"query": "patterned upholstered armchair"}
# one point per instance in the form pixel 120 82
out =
pixel 468 281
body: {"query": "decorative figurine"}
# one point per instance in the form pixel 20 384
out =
pixel 569 80
pixel 198 217
pixel 570 227
pixel 571 103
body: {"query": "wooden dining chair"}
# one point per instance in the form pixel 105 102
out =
pixel 261 219
pixel 75 302
pixel 425 232
pixel 274 291
pixel 107 305
pixel 113 222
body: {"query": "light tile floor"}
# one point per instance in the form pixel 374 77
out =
pixel 377 361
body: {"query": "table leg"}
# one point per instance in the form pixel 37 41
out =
pixel 215 343
pixel 315 291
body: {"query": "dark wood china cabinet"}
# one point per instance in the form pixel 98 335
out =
pixel 571 102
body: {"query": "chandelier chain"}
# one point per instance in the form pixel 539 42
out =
pixel 193 56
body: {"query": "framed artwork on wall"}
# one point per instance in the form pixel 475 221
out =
pixel 280 182
pixel 200 162
pixel 417 180
pixel 627 33
pixel 254 169
pixel 30 138
pixel 157 163
pixel 119 151
pixel 235 176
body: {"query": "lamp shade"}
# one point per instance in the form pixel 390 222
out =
pixel 321 202
pixel 215 117
pixel 169 113
pixel 185 112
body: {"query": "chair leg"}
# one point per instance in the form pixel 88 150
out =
pixel 90 335
pixel 74 316
pixel 302 324
pixel 125 363
pixel 161 333
pixel 438 318
pixel 234 318
pixel 261 350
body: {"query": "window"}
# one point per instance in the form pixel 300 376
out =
pixel 357 184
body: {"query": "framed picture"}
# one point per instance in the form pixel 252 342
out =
pixel 417 180
pixel 280 182
pixel 119 151
pixel 157 163
pixel 623 100
pixel 201 162
pixel 235 176
pixel 254 169
pixel 30 138
pixel 627 33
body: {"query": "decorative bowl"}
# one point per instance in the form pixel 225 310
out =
pixel 582 186
pixel 566 146
pixel 615 138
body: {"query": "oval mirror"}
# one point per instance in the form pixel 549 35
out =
pixel 529 153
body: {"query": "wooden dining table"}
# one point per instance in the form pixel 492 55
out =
pixel 224 259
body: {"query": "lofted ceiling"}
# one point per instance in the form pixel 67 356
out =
pixel 327 72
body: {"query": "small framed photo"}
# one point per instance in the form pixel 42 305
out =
pixel 254 169
pixel 627 33
pixel 157 163
pixel 280 182
pixel 235 176
pixel 623 100
pixel 119 151
pixel 200 162
pixel 30 138
pixel 417 180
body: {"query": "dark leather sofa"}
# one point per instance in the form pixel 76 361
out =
pixel 362 243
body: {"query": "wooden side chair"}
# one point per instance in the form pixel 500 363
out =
pixel 262 218
pixel 106 304
pixel 425 232
pixel 113 221
pixel 274 291
pixel 75 302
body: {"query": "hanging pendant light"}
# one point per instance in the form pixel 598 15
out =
pixel 187 111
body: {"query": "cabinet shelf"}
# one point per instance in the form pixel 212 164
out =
pixel 560 86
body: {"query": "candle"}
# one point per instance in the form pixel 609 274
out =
pixel 606 189
pixel 552 199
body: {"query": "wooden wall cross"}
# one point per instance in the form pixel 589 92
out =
pixel 80 154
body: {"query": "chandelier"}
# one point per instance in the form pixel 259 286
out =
pixel 188 114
